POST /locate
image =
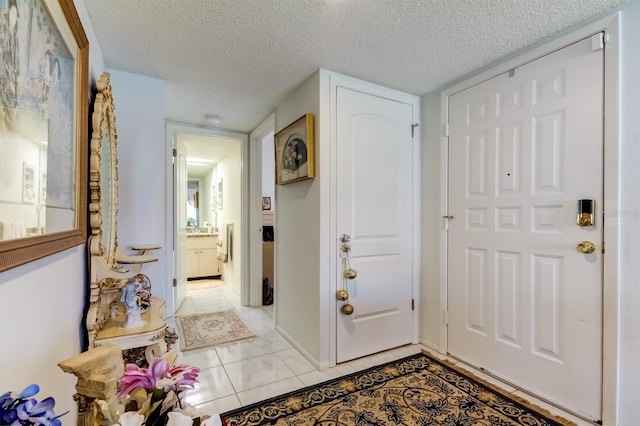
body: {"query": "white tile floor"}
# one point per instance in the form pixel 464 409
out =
pixel 242 373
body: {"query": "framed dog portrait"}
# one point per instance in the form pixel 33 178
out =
pixel 294 151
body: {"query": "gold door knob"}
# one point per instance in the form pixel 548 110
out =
pixel 586 247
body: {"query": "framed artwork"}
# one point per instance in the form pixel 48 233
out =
pixel 220 186
pixel 266 203
pixel 44 105
pixel 28 183
pixel 294 151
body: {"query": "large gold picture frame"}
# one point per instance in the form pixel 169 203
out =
pixel 40 55
pixel 294 151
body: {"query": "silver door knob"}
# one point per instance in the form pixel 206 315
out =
pixel 586 247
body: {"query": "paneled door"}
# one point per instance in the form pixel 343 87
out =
pixel 375 208
pixel 523 302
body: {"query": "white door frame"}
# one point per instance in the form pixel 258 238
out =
pixel 255 208
pixel 172 128
pixel 330 275
pixel 611 26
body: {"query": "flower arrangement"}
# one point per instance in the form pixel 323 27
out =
pixel 152 396
pixel 22 409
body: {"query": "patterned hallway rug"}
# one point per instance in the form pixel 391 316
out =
pixel 211 329
pixel 416 390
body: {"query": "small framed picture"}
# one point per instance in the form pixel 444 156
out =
pixel 294 151
pixel 266 203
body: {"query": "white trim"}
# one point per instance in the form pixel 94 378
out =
pixel 443 342
pixel 170 224
pixel 611 202
pixel 612 146
pixel 172 129
pixel 338 80
pixel 254 236
pixel 417 229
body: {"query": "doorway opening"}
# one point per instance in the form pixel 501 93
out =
pixel 209 211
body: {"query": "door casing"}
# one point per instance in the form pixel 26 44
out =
pixel 173 128
pixel 610 25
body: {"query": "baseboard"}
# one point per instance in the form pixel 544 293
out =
pixel 317 364
pixel 431 345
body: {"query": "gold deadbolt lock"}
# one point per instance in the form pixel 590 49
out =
pixel 586 247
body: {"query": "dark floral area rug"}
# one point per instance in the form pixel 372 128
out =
pixel 416 390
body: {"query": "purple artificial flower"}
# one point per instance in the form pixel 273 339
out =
pixel 158 376
pixel 24 410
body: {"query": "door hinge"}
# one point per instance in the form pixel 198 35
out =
pixel 175 152
pixel 446 222
pixel 413 304
pixel 175 282
pixel 602 247
pixel 445 130
pixel 445 317
pixel 413 128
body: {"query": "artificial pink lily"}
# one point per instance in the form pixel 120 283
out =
pixel 159 376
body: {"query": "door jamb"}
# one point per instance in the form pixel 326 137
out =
pixel 610 25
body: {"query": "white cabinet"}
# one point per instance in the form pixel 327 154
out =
pixel 201 256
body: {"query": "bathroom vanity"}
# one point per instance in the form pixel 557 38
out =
pixel 202 259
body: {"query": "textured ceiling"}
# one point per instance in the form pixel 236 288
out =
pixel 240 58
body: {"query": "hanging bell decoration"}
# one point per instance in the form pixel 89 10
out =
pixel 350 273
pixel 342 295
pixel 347 309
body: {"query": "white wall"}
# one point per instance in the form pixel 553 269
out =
pixel 269 170
pixel 430 312
pixel 41 305
pixel 629 219
pixel 628 216
pixel 229 169
pixel 142 191
pixel 297 236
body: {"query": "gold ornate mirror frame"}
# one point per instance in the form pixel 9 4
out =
pixel 24 250
pixel 103 176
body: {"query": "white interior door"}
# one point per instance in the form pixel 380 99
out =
pixel 374 205
pixel 180 253
pixel 523 303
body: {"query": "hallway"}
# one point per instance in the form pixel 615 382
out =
pixel 238 374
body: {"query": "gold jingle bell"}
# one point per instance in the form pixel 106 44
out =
pixel 347 309
pixel 342 295
pixel 350 273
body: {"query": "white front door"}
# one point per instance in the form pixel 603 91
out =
pixel 375 208
pixel 523 303
pixel 180 256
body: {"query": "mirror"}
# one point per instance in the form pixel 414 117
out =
pixel 103 180
pixel 193 203
pixel 43 131
pixel 109 267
